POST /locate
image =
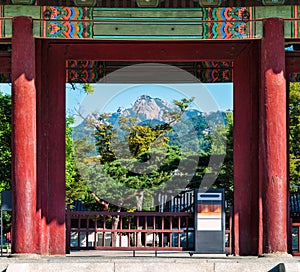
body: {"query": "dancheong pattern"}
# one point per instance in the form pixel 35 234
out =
pixel 294 77
pixel 218 23
pixel 214 71
pixel 84 71
pixel 227 23
pixel 67 22
pixel 81 71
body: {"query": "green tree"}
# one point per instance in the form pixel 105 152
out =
pixel 5 141
pixel 294 132
pixel 225 177
pixel 5 151
pixel 217 161
pixel 129 164
pixel 75 186
pixel 134 159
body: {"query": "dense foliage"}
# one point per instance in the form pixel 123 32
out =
pixel 5 152
pixel 133 161
pixel 5 141
pixel 294 133
pixel 75 186
pixel 144 157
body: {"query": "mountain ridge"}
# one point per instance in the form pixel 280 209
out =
pixel 146 108
pixel 151 112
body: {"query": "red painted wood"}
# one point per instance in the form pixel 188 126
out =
pixel 293 61
pixel 245 154
pixel 273 140
pixel 107 50
pixel 126 230
pixel 111 50
pixel 248 217
pixel 5 59
pixel 56 108
pixel 42 149
pixel 86 223
pixel 151 50
pixel 85 215
pixel 24 137
pixel 289 218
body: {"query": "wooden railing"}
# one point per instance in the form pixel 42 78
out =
pixel 130 230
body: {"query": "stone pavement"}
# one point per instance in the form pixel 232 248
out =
pixel 124 261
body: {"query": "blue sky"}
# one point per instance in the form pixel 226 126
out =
pixel 5 88
pixel 108 97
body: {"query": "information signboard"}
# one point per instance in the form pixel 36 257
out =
pixel 209 221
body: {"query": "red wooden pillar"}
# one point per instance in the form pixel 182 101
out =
pixel 42 149
pixel 50 77
pixel 56 107
pixel 24 137
pixel 273 139
pixel 245 218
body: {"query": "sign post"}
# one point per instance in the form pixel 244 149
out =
pixel 210 221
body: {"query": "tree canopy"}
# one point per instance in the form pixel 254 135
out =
pixel 5 141
pixel 130 158
pixel 75 186
pixel 294 133
pixel 139 160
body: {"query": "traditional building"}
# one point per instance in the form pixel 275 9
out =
pixel 46 43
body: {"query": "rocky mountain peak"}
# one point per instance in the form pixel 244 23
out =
pixel 148 108
pixel 144 97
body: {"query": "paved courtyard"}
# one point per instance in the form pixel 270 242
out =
pixel 124 261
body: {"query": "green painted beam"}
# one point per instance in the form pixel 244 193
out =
pixel 150 29
pixel 19 10
pixel 271 12
pixel 147 13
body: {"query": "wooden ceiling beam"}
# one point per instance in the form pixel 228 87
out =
pixel 162 4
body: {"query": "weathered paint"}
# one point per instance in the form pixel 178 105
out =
pixel 42 150
pixel 273 138
pixel 56 107
pixel 51 101
pixel 245 153
pixel 141 51
pixel 181 30
pixel 154 50
pixel 21 10
pixel 24 137
pixel 158 13
pixel 272 12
